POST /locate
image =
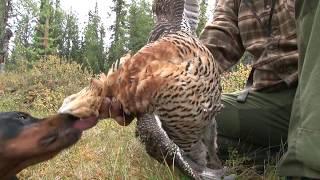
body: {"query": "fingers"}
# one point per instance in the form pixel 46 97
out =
pixel 104 108
pixel 124 120
pixel 113 109
pixel 109 108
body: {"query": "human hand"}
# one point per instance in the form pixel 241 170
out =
pixel 111 108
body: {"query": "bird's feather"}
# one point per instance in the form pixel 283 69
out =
pixel 173 16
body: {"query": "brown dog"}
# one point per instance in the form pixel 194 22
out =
pixel 26 140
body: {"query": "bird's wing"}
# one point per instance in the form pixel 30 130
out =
pixel 174 15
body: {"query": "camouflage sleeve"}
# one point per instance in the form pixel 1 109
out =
pixel 222 36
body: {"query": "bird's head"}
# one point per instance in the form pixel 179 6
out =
pixel 87 102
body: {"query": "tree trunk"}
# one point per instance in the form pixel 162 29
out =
pixel 46 35
pixel 5 32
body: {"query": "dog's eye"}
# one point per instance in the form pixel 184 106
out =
pixel 22 117
pixel 25 119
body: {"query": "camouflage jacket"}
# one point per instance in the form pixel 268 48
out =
pixel 266 29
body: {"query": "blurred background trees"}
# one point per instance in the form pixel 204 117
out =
pixel 41 28
pixel 5 31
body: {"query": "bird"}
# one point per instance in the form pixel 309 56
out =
pixel 172 87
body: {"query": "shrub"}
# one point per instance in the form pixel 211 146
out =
pixel 235 80
pixel 44 84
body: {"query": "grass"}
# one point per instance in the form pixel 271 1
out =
pixel 110 151
pixel 107 151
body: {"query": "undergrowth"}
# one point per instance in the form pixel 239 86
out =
pixel 106 151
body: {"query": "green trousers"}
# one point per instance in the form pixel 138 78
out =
pixel 261 122
pixel 303 155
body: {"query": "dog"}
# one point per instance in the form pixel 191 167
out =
pixel 26 140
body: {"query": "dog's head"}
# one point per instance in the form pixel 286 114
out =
pixel 26 140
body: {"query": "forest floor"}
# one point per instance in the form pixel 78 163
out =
pixel 107 151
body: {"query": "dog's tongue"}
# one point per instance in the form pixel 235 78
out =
pixel 87 123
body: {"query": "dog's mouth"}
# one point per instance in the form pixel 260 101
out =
pixel 70 134
pixel 49 139
pixel 86 123
pixel 43 139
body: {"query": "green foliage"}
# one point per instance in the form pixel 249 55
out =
pixel 56 32
pixel 235 80
pixel 43 39
pixel 93 47
pixel 140 23
pixel 22 50
pixel 118 29
pixel 43 84
pixel 32 41
pixel 58 28
pixel 49 31
pixel 71 49
pixel 203 16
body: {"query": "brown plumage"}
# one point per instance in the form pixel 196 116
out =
pixel 172 86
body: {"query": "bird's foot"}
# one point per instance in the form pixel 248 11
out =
pixel 216 174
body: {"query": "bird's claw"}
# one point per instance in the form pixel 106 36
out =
pixel 216 174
